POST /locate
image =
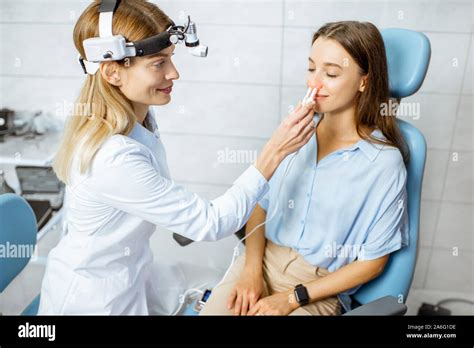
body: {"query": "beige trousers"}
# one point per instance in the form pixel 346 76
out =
pixel 283 269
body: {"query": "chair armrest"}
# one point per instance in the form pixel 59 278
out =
pixel 183 241
pixel 387 305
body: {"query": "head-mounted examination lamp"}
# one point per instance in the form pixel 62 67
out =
pixel 109 47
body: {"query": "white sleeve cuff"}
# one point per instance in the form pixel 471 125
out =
pixel 253 182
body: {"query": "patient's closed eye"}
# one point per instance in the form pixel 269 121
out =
pixel 327 74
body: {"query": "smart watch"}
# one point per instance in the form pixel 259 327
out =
pixel 301 294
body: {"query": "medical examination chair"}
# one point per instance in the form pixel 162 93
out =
pixel 408 54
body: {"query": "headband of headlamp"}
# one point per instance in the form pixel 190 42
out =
pixel 109 47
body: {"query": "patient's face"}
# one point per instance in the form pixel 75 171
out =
pixel 331 66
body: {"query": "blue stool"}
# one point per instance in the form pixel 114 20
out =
pixel 18 228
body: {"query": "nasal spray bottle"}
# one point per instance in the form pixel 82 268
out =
pixel 308 99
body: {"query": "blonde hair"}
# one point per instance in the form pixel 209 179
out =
pixel 101 109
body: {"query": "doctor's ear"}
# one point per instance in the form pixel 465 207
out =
pixel 363 83
pixel 110 73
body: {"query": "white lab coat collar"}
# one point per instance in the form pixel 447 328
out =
pixel 149 136
pixel 146 135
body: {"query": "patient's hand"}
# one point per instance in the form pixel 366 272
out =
pixel 280 303
pixel 246 292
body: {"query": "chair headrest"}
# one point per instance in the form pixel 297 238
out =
pixel 408 56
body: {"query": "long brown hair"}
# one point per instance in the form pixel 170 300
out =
pixel 102 110
pixel 363 41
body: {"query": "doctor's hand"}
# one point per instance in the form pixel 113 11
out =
pixel 246 292
pixel 293 133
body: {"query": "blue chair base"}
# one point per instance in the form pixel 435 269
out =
pixel 189 309
pixel 33 307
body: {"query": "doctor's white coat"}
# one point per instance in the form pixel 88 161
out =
pixel 103 264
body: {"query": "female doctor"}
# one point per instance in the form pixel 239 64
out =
pixel 118 183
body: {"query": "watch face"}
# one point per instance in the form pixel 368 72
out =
pixel 301 295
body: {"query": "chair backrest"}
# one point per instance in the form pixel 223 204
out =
pixel 17 236
pixel 408 55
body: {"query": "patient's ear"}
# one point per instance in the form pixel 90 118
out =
pixel 110 73
pixel 363 83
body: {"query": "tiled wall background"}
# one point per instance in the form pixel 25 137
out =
pixel 254 72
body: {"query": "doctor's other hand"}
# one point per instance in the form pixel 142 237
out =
pixel 246 292
pixel 292 133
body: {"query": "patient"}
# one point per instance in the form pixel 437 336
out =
pixel 341 209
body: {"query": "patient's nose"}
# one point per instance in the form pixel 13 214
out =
pixel 314 80
pixel 315 84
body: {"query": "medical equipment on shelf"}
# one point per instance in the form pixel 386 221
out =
pixel 109 47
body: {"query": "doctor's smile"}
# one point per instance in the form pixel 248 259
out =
pixel 232 161
pixel 166 90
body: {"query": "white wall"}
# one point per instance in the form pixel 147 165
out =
pixel 254 73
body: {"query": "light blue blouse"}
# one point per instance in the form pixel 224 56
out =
pixel 349 206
